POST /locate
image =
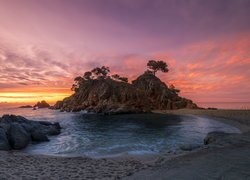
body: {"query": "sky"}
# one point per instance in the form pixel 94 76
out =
pixel 44 44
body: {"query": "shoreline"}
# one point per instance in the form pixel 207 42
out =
pixel 34 166
pixel 237 118
pixel 226 158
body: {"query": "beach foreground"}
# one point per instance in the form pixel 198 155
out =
pixel 231 162
pixel 226 159
pixel 219 160
pixel 16 165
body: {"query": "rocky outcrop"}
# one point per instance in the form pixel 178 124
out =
pixel 4 144
pixel 218 138
pixel 26 106
pixel 108 96
pixel 16 132
pixel 42 104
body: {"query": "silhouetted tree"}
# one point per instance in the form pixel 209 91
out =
pixel 123 79
pixel 155 66
pixel 103 71
pixel 119 78
pixel 87 75
pixel 77 80
pixel 115 76
pixel 172 87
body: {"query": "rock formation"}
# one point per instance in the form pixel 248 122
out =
pixel 42 104
pixel 26 106
pixel 16 132
pixel 107 95
pixel 219 138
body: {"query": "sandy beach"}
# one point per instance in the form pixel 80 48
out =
pixel 16 165
pixel 216 161
pixel 226 159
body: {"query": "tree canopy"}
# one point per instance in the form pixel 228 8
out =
pixel 103 72
pixel 97 73
pixel 119 78
pixel 172 87
pixel 155 66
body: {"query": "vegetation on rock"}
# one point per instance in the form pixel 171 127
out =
pixel 102 92
pixel 155 66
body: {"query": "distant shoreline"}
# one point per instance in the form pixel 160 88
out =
pixel 238 118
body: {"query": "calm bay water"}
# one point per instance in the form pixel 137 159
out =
pixel 101 136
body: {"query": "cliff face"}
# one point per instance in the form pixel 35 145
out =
pixel 146 93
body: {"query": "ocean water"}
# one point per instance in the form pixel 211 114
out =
pixel 104 136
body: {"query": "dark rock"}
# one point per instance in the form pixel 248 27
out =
pixel 57 125
pixel 53 130
pixel 18 137
pixel 214 136
pixel 5 126
pixel 211 108
pixel 6 118
pixel 189 147
pixel 42 104
pixel 26 106
pixel 4 144
pixel 46 123
pixel 19 131
pixel 218 138
pixel 38 135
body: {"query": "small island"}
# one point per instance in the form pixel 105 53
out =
pixel 26 106
pixel 100 91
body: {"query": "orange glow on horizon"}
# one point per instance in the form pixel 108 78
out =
pixel 26 96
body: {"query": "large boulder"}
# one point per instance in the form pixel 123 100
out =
pixel 4 143
pixel 19 138
pixel 18 132
pixel 38 135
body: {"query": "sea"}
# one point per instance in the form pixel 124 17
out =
pixel 96 136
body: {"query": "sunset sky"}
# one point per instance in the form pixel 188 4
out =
pixel 44 44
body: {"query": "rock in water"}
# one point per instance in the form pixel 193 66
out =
pixel 16 132
pixel 18 137
pixel 37 135
pixel 26 106
pixel 105 95
pixel 189 147
pixel 4 144
pixel 42 104
pixel 212 137
pixel 218 138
